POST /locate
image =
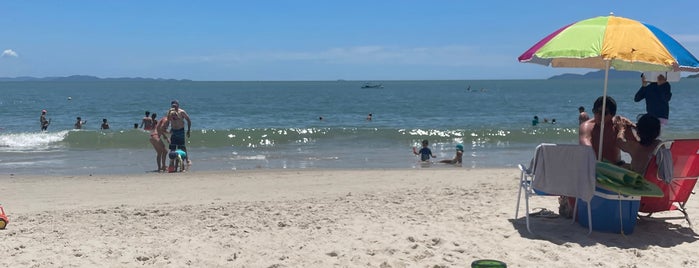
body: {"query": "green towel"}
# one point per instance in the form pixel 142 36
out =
pixel 625 181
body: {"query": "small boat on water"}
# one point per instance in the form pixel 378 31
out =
pixel 372 85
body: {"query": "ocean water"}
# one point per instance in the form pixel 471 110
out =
pixel 275 125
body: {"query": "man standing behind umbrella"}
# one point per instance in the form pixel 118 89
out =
pixel 657 95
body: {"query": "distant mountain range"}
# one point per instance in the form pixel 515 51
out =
pixel 613 74
pixel 83 78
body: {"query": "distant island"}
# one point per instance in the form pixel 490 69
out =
pixel 613 74
pixel 85 78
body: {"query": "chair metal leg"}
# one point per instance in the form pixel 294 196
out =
pixel 589 215
pixel 684 211
pixel 589 218
pixel 575 211
pixel 519 194
pixel 526 205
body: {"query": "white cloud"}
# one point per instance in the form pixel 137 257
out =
pixel 9 53
pixel 439 56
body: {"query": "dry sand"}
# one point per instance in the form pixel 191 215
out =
pixel 311 218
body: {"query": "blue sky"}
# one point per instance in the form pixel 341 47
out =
pixel 303 40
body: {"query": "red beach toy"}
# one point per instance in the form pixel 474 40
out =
pixel 3 218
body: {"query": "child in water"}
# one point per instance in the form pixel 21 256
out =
pixel 425 153
pixel 177 160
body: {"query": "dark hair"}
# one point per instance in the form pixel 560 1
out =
pixel 425 142
pixel 648 129
pixel 581 109
pixel 610 108
pixel 147 113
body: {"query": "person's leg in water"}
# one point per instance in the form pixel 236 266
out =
pixel 162 155
pixel 159 150
pixel 178 139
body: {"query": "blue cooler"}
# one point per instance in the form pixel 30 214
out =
pixel 610 211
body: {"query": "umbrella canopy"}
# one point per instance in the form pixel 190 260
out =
pixel 611 42
pixel 623 43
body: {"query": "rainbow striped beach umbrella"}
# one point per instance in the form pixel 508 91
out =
pixel 611 42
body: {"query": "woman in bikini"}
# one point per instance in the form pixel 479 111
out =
pixel 155 139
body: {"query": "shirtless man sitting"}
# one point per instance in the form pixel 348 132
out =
pixel 175 119
pixel 589 133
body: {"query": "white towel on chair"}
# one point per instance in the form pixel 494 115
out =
pixel 566 169
pixel 663 158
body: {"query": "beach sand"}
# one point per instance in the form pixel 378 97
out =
pixel 431 217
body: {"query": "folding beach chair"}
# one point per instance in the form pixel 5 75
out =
pixel 678 188
pixel 559 170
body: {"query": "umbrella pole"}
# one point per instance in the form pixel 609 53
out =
pixel 604 110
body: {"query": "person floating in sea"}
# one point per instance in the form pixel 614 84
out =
pixel 368 117
pixel 535 121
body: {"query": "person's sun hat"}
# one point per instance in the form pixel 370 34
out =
pixel 43 111
pixel 460 147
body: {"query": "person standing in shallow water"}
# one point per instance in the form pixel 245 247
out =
pixel 104 125
pixel 175 119
pixel 156 133
pixel 148 122
pixel 79 123
pixel 44 122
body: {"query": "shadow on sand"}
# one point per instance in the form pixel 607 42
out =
pixel 648 232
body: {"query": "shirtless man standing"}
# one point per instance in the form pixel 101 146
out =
pixel 175 119
pixel 590 132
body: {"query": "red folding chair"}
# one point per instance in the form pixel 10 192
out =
pixel 685 169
